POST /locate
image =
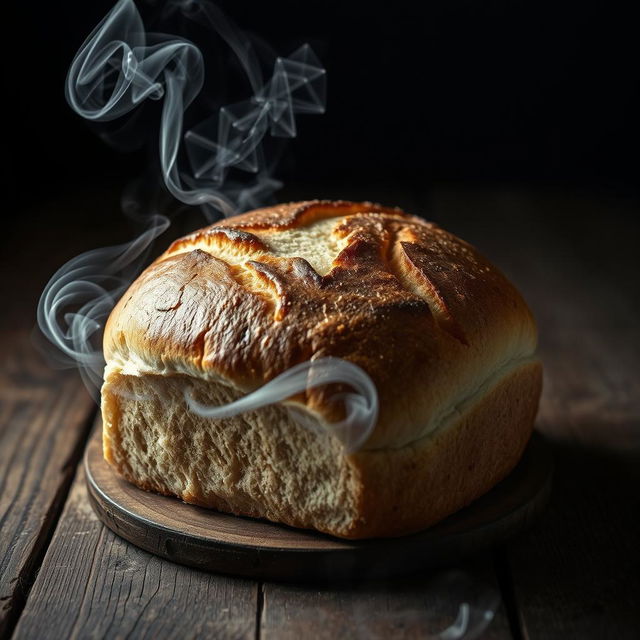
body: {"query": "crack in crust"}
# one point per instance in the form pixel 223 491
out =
pixel 221 239
pixel 369 230
pixel 404 261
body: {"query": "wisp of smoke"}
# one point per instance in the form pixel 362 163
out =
pixel 120 66
pixel 361 407
pixel 478 605
pixel 77 300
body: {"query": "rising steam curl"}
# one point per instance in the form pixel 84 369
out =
pixel 78 299
pixel 361 407
pixel 479 602
pixel 120 66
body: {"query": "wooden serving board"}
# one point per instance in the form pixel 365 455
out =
pixel 206 539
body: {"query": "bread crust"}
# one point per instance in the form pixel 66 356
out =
pixel 417 308
pixel 411 488
pixel 379 493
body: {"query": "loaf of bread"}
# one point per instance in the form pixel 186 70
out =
pixel 447 340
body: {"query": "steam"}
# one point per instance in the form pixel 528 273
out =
pixel 361 407
pixel 470 623
pixel 76 302
pixel 120 66
pixel 478 606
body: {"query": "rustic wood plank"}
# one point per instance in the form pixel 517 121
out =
pixel 94 584
pixel 44 421
pixel 577 573
pixel 424 606
pixel 45 414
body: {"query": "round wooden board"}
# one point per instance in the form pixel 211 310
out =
pixel 223 543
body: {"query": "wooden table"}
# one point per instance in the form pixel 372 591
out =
pixel 576 574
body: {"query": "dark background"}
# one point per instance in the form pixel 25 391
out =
pixel 454 92
pixel 515 126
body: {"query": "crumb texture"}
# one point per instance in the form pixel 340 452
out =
pixel 264 465
pixel 259 464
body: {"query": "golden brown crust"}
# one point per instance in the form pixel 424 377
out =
pixel 417 308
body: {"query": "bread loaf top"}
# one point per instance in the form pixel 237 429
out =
pixel 431 321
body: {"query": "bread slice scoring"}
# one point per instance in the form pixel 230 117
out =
pixel 447 340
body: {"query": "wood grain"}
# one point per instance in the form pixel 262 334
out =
pixel 417 607
pixel 45 413
pixel 577 573
pixel 94 584
pixel 207 539
pixel 44 421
